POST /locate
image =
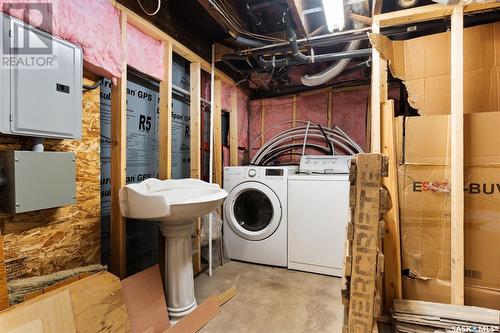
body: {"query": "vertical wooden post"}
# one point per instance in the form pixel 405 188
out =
pixel 457 157
pixel 329 115
pixel 4 293
pixel 165 161
pixel 233 129
pixel 218 132
pixel 378 92
pixel 118 163
pixel 195 143
pixel 392 244
pixel 262 120
pixel 195 123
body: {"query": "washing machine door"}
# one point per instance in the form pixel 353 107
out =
pixel 253 211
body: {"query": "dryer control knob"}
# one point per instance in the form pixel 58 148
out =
pixel 252 173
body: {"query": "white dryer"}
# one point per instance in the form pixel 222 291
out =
pixel 255 214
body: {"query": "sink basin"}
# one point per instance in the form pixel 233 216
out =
pixel 176 204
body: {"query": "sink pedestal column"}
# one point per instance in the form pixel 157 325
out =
pixel 179 280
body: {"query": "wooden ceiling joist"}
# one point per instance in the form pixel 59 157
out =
pixel 296 9
pixel 428 13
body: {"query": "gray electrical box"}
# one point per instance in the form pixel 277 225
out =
pixel 36 180
pixel 40 83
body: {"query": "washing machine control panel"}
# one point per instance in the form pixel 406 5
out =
pixel 252 173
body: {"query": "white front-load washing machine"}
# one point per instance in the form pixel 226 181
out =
pixel 255 214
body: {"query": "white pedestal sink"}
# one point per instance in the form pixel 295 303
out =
pixel 176 204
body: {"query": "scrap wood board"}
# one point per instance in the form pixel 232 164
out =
pixel 420 317
pixel 363 265
pixel 52 314
pixel 97 302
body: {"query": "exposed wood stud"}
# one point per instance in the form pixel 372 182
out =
pixel 262 120
pixel 165 167
pixel 233 129
pixel 392 245
pixel 378 93
pixel 427 13
pixel 329 115
pixel 457 157
pixel 195 139
pixel 4 293
pixel 118 163
pixel 218 132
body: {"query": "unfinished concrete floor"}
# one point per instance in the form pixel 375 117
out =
pixel 272 300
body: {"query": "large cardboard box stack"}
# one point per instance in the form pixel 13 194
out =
pixel 424 154
pixel 425 204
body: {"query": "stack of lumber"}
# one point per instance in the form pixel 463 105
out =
pixel 364 261
pixel 422 317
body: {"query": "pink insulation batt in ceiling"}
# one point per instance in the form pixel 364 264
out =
pixel 94 25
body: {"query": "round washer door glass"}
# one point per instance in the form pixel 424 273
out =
pixel 253 211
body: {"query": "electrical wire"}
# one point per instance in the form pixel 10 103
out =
pixel 235 24
pixel 93 86
pixel 145 11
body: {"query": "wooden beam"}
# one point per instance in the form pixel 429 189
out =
pixel 262 120
pixel 217 17
pixel 218 132
pixel 195 123
pixel 329 115
pixel 156 33
pixel 233 130
pixel 392 243
pixel 165 146
pixel 296 9
pixel 427 13
pixel 4 292
pixel 361 19
pixel 118 164
pixel 378 93
pixel 457 156
pixel 195 143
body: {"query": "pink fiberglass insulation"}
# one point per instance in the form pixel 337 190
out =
pixel 278 110
pixel 313 108
pixel 242 120
pixel 145 53
pixel 349 113
pixel 254 124
pixel 94 25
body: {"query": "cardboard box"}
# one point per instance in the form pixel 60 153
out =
pixel 425 198
pixel 424 66
pixel 439 291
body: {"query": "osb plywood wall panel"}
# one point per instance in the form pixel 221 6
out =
pixel 47 241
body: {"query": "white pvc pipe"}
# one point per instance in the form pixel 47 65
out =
pixel 211 158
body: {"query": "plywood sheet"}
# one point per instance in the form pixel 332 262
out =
pixel 49 315
pixel 145 299
pixel 97 302
pixel 47 241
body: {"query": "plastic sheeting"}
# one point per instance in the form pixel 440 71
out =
pixel 94 25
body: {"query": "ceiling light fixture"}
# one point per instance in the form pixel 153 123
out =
pixel 334 14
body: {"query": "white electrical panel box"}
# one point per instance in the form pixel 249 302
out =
pixel 40 83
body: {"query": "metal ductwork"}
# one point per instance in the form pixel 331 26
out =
pixel 338 67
